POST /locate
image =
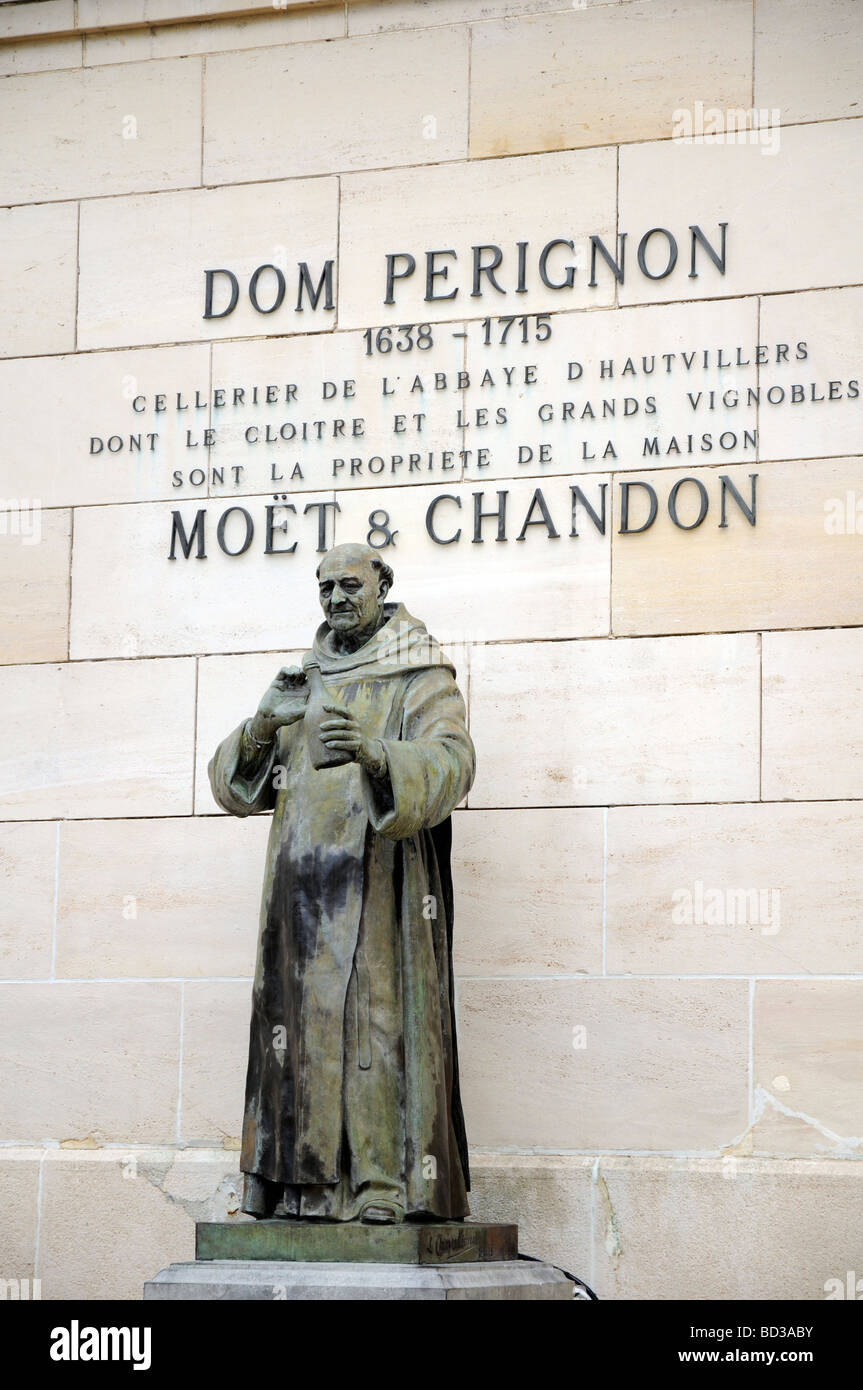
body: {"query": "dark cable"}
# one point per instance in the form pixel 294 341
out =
pixel 574 1279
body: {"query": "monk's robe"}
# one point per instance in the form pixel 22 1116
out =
pixel 352 1093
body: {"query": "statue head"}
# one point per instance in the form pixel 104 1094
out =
pixel 353 582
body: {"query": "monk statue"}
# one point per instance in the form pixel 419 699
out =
pixel 352 1093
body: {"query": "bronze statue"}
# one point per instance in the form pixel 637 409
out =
pixel 352 1093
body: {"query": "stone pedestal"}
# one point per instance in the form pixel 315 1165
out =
pixel 275 1280
pixel 288 1260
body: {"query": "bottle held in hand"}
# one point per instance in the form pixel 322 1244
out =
pixel 316 712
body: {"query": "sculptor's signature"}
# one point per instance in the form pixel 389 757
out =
pixel 450 1247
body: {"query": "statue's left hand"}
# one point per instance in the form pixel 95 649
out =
pixel 344 732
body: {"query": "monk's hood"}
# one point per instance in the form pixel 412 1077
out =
pixel 401 646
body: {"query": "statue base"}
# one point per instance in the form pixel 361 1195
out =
pixel 276 1281
pixel 410 1242
pixel 288 1260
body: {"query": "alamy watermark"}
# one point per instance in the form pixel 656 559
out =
pixel 850 1288
pixel 843 516
pixel 736 125
pixel 20 1290
pixel 21 516
pixel 703 906
pixel 407 645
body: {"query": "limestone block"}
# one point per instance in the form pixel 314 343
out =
pixel 788 570
pixel 157 294
pixel 40 57
pixel 219 603
pixel 90 1062
pixel 38 273
pixel 150 898
pixel 597 723
pixel 806 1059
pixel 672 184
pixel 37 18
pixel 215 1055
pixel 528 892
pixel 34 581
pixel 102 14
pixel 28 857
pixel 812 745
pixel 19 1175
pixel 280 112
pixel 807 423
pixel 378 16
pixel 216 36
pixel 97 740
pixel 87 1193
pixel 808 58
pixel 549 1197
pixel 90 132
pixel 731 1228
pixel 456 206
pixel 603 1063
pixel 604 74
pixel 103 426
pixel 768 889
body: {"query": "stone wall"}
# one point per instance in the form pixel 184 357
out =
pixel 659 876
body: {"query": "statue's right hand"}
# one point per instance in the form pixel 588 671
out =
pixel 284 702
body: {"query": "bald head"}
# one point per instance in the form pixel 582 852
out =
pixel 353 583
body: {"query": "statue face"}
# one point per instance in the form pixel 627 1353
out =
pixel 350 594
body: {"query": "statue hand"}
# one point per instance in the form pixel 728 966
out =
pixel 344 732
pixel 283 703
